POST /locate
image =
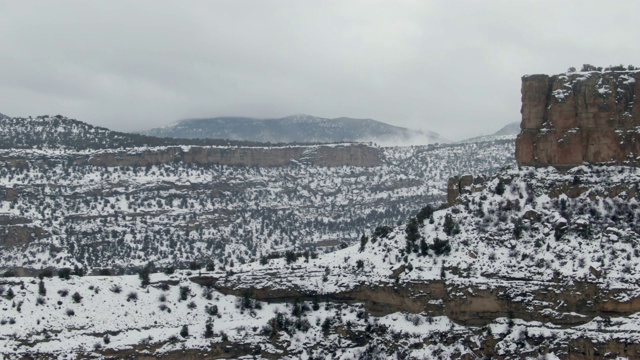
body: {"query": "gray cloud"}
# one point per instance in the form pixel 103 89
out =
pixel 450 67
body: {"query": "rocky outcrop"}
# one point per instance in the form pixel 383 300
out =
pixel 569 119
pixel 18 235
pixel 348 155
pixel 8 194
pixel 465 184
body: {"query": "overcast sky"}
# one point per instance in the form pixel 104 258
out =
pixel 453 67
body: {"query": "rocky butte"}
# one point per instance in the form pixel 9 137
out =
pixel 578 117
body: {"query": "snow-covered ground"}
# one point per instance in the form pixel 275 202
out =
pixel 558 235
pixel 579 226
pixel 177 213
pixel 105 323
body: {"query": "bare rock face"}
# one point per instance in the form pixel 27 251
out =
pixel 359 155
pixel 349 155
pixel 569 119
pixel 465 184
pixel 17 235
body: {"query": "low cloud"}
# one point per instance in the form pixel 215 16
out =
pixel 450 68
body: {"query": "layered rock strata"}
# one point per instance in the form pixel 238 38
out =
pixel 317 155
pixel 351 155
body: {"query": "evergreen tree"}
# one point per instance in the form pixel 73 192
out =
pixel 363 242
pixel 326 326
pixel 449 224
pixel 441 247
pixel 425 213
pixel 208 330
pixel 143 274
pixel 424 248
pixel 10 294
pixel 41 289
pixel 184 332
pixel 78 271
pixel 210 266
pixel 517 228
pixel 64 273
pixel 412 233
pixel 184 292
pixel 290 256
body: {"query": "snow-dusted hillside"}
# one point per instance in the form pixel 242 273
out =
pixel 545 247
pixel 538 264
pixel 116 316
pixel 534 224
pixel 58 210
pixel 56 213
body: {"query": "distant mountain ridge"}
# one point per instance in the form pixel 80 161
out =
pixel 508 132
pixel 509 129
pixel 295 128
pixel 3 116
pixel 60 132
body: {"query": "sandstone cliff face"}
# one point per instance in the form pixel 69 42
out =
pixel 354 155
pixel 570 119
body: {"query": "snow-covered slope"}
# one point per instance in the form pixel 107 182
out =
pixel 538 264
pixel 534 224
pixel 525 247
pixel 58 211
pixel 117 317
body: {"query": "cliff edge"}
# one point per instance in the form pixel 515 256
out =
pixel 572 118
